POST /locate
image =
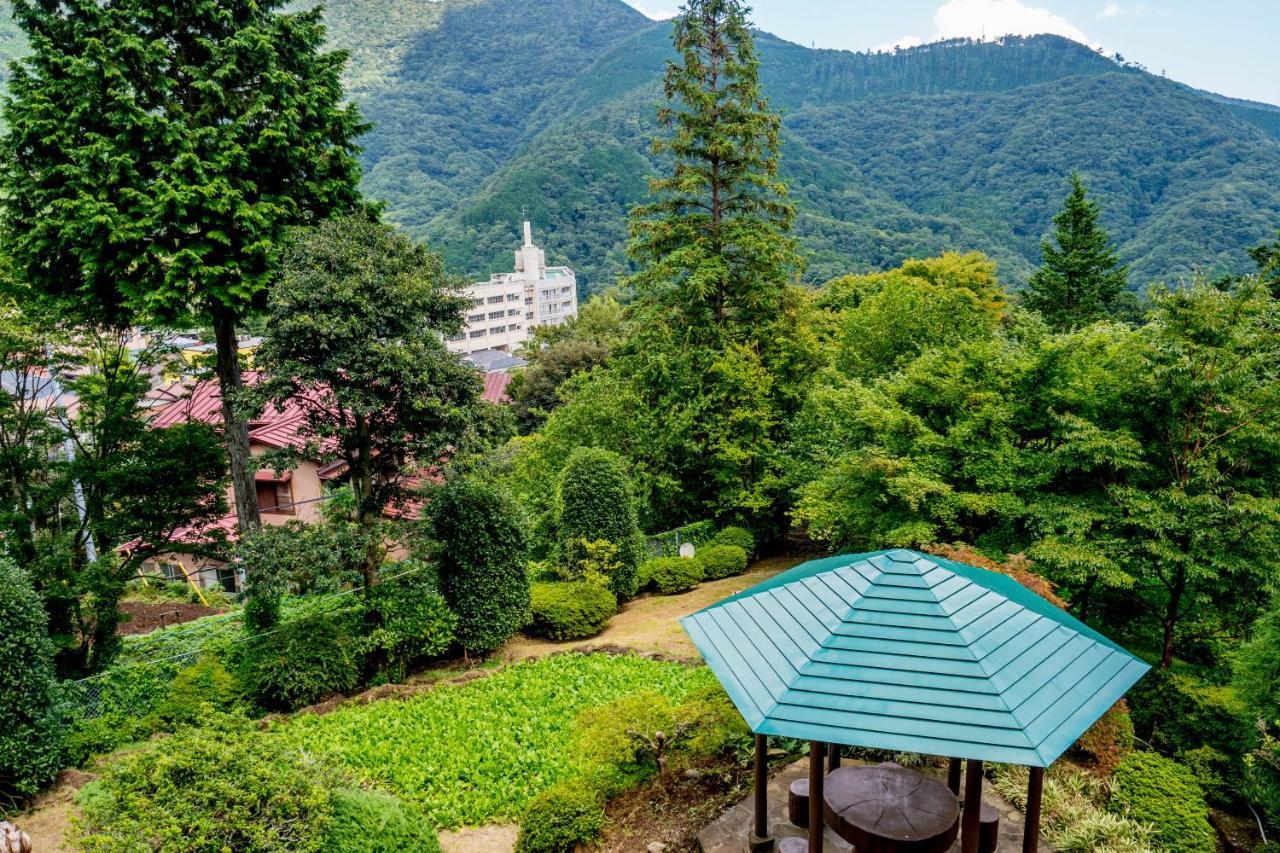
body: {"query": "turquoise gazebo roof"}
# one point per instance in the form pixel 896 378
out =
pixel 906 651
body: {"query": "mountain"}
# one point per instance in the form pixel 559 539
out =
pixel 487 109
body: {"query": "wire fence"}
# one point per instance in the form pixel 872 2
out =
pixel 142 676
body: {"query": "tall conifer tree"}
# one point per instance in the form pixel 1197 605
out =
pixel 157 152
pixel 1081 276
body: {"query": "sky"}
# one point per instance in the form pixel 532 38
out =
pixel 1225 46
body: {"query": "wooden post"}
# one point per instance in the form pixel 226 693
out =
pixel 1031 832
pixel 817 825
pixel 953 776
pixel 760 839
pixel 833 756
pixel 972 813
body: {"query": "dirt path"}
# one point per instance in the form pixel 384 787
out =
pixel 651 624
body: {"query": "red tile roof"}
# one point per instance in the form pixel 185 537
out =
pixel 495 387
pixel 274 428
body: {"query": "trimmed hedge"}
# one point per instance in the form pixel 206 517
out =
pixel 733 535
pixel 570 611
pixel 1153 789
pixel 669 575
pixel 721 561
pixel 31 727
pixel 561 818
pixel 374 822
pixel 596 502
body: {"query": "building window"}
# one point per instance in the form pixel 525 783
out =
pixel 513 312
pixel 515 327
pixel 478 333
pixel 496 315
pixel 461 336
pixel 497 330
pixel 512 297
pixel 475 318
pixel 479 300
pixel 276 497
pixel 494 300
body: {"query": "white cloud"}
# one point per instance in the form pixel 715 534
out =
pixel 650 11
pixel 904 42
pixel 995 18
pixel 1115 10
pixel 1109 11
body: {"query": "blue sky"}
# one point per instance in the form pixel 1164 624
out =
pixel 1226 46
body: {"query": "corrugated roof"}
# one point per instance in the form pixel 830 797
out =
pixel 906 651
pixel 495 387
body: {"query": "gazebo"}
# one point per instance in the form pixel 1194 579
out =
pixel 905 651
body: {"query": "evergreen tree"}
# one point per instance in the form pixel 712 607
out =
pixel 1081 278
pixel 712 247
pixel 596 503
pixel 1267 257
pixel 157 152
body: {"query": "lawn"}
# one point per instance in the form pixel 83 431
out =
pixel 478 752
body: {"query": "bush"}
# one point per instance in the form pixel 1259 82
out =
pixel 31 726
pixel 223 787
pixel 570 611
pixel 739 536
pixel 480 548
pixel 1072 817
pixel 299 558
pixel 596 503
pixel 1153 789
pixel 204 688
pixel 561 818
pixel 669 575
pixel 416 621
pixel 303 661
pixel 1176 714
pixel 375 822
pixel 721 561
pixel 1262 779
pixel 1256 669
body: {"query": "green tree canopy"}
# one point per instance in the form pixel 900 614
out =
pixel 596 503
pixel 1081 278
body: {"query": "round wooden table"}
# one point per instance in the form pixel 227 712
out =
pixel 890 809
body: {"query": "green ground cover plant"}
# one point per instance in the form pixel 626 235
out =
pixel 1153 789
pixel 481 751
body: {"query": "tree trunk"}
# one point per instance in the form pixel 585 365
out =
pixel 1171 618
pixel 236 430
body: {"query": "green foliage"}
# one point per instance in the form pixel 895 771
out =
pixel 570 611
pixel 374 822
pixel 561 818
pixel 1081 277
pixel 224 787
pixel 1262 779
pixel 31 724
pixel 301 662
pixel 480 548
pixel 1150 788
pixel 1073 816
pixel 212 166
pixel 668 543
pixel 721 561
pixel 596 503
pixel 298 558
pixel 669 575
pixel 477 752
pixel 1256 669
pixel 737 536
pixel 356 340
pixel 415 623
pixel 202 691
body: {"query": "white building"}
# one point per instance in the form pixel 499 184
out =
pixel 508 305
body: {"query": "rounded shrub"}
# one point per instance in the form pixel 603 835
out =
pixel 738 536
pixel 721 561
pixel 31 727
pixel 301 662
pixel 197 691
pixel 1150 788
pixel 374 822
pixel 480 548
pixel 570 611
pixel 561 818
pixel 222 787
pixel 596 503
pixel 669 575
pixel 416 622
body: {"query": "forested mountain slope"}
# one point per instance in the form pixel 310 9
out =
pixel 483 109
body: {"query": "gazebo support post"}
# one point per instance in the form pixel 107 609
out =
pixel 1031 832
pixel 760 839
pixel 817 823
pixel 953 776
pixel 972 814
pixel 833 756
